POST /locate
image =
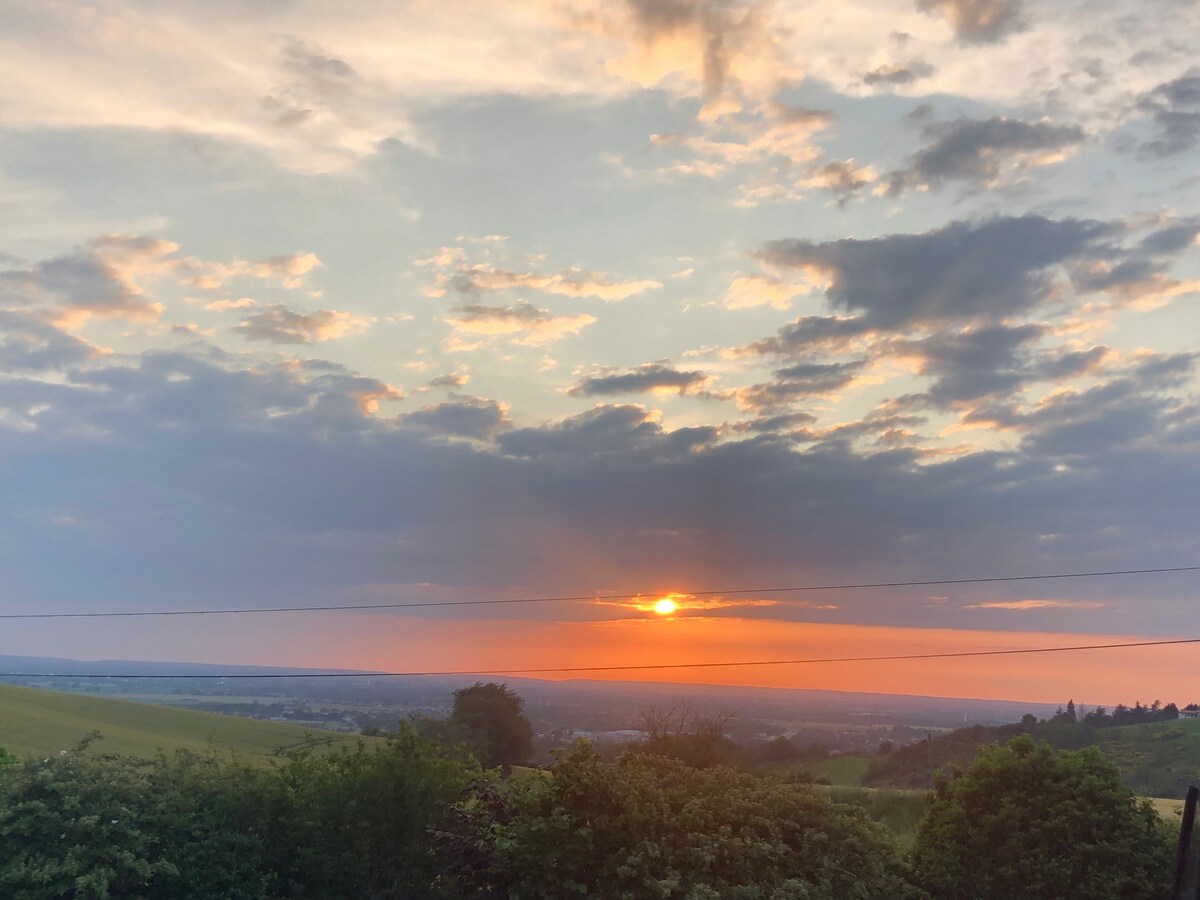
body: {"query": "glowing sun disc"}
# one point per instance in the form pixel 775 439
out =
pixel 665 606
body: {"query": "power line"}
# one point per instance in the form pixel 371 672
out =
pixel 627 668
pixel 422 604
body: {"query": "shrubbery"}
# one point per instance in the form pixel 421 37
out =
pixel 350 824
pixel 653 827
pixel 409 819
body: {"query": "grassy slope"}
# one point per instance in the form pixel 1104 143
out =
pixel 1160 760
pixel 39 722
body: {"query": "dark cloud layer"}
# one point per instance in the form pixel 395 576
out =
pixel 279 474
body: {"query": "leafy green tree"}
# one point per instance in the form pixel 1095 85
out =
pixel 1026 820
pixel 654 827
pixel 356 824
pixel 84 826
pixel 197 826
pixel 489 719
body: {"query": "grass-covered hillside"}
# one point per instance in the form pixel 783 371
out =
pixel 1158 759
pixel 40 722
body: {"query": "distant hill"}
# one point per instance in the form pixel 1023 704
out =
pixel 1159 759
pixel 40 722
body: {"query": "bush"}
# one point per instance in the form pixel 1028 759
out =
pixel 1029 821
pixel 652 827
pixel 342 825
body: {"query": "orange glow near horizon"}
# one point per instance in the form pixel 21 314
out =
pixel 666 606
pixel 511 647
pixel 514 647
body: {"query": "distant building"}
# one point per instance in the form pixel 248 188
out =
pixel 1191 711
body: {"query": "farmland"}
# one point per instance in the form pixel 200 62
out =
pixel 36 722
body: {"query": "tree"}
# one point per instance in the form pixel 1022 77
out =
pixel 1026 820
pixel 488 718
pixel 680 732
pixel 653 827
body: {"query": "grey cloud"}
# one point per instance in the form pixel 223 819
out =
pixel 94 279
pixel 1171 238
pixel 470 417
pixel 28 343
pixel 977 151
pixel 604 431
pixel 326 75
pixel 1116 415
pixel 990 363
pixel 278 324
pixel 979 21
pixel 783 423
pixel 842 178
pixel 640 380
pixel 898 73
pixel 966 270
pixel 831 333
pixel 798 382
pixel 1175 108
pixel 456 380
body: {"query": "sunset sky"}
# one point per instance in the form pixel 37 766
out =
pixel 313 303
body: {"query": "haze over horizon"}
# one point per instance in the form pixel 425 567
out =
pixel 315 306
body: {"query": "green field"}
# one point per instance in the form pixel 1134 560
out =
pixel 39 722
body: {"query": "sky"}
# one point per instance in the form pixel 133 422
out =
pixel 322 304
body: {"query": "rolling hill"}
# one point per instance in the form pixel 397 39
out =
pixel 39 722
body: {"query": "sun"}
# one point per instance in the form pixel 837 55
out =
pixel 665 606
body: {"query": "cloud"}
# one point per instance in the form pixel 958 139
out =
pixel 476 418
pixel 749 291
pixel 1020 605
pixel 1175 108
pixel 966 270
pixel 898 74
pixel 455 380
pixel 604 431
pixel 287 270
pixel 528 324
pixel 475 279
pixel 102 278
pixel 798 382
pixel 724 51
pixel 990 362
pixel 979 21
pixel 1134 406
pixel 842 178
pixel 985 152
pixel 31 344
pixel 279 324
pixel 223 305
pixel 647 378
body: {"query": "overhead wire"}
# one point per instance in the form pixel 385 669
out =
pixel 632 667
pixel 503 601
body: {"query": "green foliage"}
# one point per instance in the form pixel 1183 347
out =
pixel 488 718
pixel 188 826
pixel 653 827
pixel 1158 759
pixel 355 824
pixel 899 811
pixel 1028 821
